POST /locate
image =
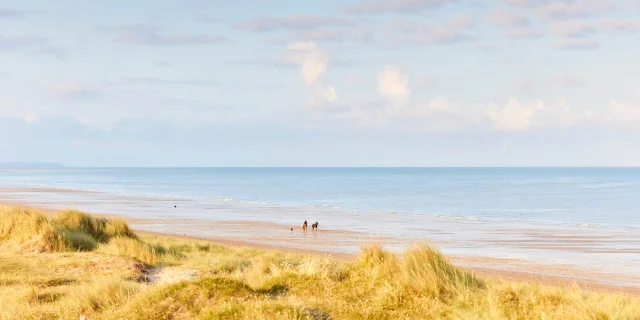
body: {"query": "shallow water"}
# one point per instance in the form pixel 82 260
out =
pixel 586 218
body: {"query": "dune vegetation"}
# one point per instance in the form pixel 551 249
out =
pixel 72 265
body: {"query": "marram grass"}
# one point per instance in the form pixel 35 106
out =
pixel 73 264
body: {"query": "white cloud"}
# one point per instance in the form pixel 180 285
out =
pixel 331 94
pixel 394 86
pixel 312 61
pixel 514 116
pixel 441 114
pixel 313 65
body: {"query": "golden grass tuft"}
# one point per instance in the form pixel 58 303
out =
pixel 99 228
pixel 122 246
pixel 72 230
pixel 30 230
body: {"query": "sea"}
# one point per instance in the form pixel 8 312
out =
pixel 584 217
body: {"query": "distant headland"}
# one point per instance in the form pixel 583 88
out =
pixel 13 165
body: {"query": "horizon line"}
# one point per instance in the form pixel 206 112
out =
pixel 344 167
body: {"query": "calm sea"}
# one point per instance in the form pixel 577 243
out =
pixel 594 196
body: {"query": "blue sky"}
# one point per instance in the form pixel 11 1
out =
pixel 323 83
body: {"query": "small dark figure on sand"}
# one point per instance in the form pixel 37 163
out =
pixel 314 226
pixel 304 225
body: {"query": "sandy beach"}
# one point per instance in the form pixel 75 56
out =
pixel 344 244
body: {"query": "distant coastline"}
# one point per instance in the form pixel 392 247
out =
pixel 12 165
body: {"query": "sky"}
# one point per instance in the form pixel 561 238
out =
pixel 320 83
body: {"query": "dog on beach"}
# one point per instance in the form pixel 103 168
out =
pixel 314 226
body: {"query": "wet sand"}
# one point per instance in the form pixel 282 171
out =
pixel 538 276
pixel 340 244
pixel 588 254
pixel 482 266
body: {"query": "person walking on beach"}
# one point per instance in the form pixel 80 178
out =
pixel 304 225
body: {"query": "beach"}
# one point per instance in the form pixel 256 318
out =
pixel 345 245
pixel 70 264
pixel 596 255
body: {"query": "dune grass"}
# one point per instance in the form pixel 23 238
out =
pixel 69 230
pixel 73 264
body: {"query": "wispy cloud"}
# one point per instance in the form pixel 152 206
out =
pixel 523 33
pixel 6 13
pixel 568 80
pixel 18 42
pixel 142 34
pixel 156 81
pixel 70 90
pixel 207 20
pixel 36 45
pixel 336 35
pixel 508 17
pixel 577 44
pixel 284 62
pixel 395 6
pixel 563 11
pixel 568 9
pixel 418 33
pixel 294 22
pixel 619 26
pixel 572 29
pixel 265 62
pixel 462 21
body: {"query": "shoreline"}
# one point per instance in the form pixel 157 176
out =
pixel 503 275
pixel 482 266
pixel 165 198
